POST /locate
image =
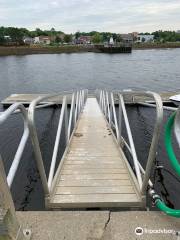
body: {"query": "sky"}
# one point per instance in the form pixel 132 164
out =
pixel 69 16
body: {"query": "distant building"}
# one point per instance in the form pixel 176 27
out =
pixel 7 37
pixel 42 40
pixel 83 40
pixel 178 31
pixel 28 40
pixel 134 35
pixel 111 41
pixel 127 38
pixel 61 36
pixel 145 38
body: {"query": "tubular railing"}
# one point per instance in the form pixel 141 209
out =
pixel 77 103
pixel 3 117
pixel 17 108
pixel 77 100
pixel 107 104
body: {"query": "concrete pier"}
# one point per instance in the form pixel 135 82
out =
pixel 99 225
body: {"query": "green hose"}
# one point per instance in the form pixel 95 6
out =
pixel 169 211
pixel 168 143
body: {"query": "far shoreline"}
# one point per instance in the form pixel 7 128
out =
pixel 145 46
pixel 28 50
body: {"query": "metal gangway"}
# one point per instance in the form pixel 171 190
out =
pixel 94 171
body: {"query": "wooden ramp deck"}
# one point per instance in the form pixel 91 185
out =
pixel 94 171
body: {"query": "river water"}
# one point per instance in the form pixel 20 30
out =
pixel 157 70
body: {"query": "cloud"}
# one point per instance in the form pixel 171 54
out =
pixel 86 15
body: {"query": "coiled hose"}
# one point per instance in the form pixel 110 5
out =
pixel 175 164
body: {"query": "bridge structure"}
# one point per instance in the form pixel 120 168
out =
pixel 94 171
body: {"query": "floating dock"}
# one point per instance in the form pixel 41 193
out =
pixel 26 99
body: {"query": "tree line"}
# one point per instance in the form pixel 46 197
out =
pixel 15 35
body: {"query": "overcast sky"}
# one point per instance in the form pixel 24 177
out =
pixel 119 16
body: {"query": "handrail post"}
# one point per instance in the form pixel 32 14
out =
pixel 56 145
pixel 76 110
pixel 155 139
pixel 79 103
pixel 120 118
pixel 105 104
pixel 36 148
pixel 100 99
pixel 66 120
pixel 111 112
pixel 71 116
pixel 115 118
pixel 135 160
pixel 108 110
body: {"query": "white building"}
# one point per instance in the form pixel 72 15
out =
pixel 145 38
pixel 7 37
pixel 111 41
pixel 28 40
pixel 42 40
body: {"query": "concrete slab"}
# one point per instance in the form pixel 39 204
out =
pixel 96 225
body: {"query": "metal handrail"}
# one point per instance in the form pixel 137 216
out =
pixel 15 109
pixel 3 117
pixel 143 183
pixel 115 118
pixel 131 142
pixel 78 99
pixel 56 145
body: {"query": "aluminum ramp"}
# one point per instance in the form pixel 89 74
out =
pixel 94 172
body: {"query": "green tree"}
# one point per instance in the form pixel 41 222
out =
pixel 97 38
pixel 15 34
pixel 2 40
pixel 58 39
pixel 40 32
pixel 77 35
pixel 166 36
pixel 67 38
pixel 119 38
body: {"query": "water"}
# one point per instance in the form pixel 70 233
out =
pixel 156 70
pixel 143 69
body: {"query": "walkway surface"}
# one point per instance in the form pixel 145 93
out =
pixel 99 225
pixel 94 172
